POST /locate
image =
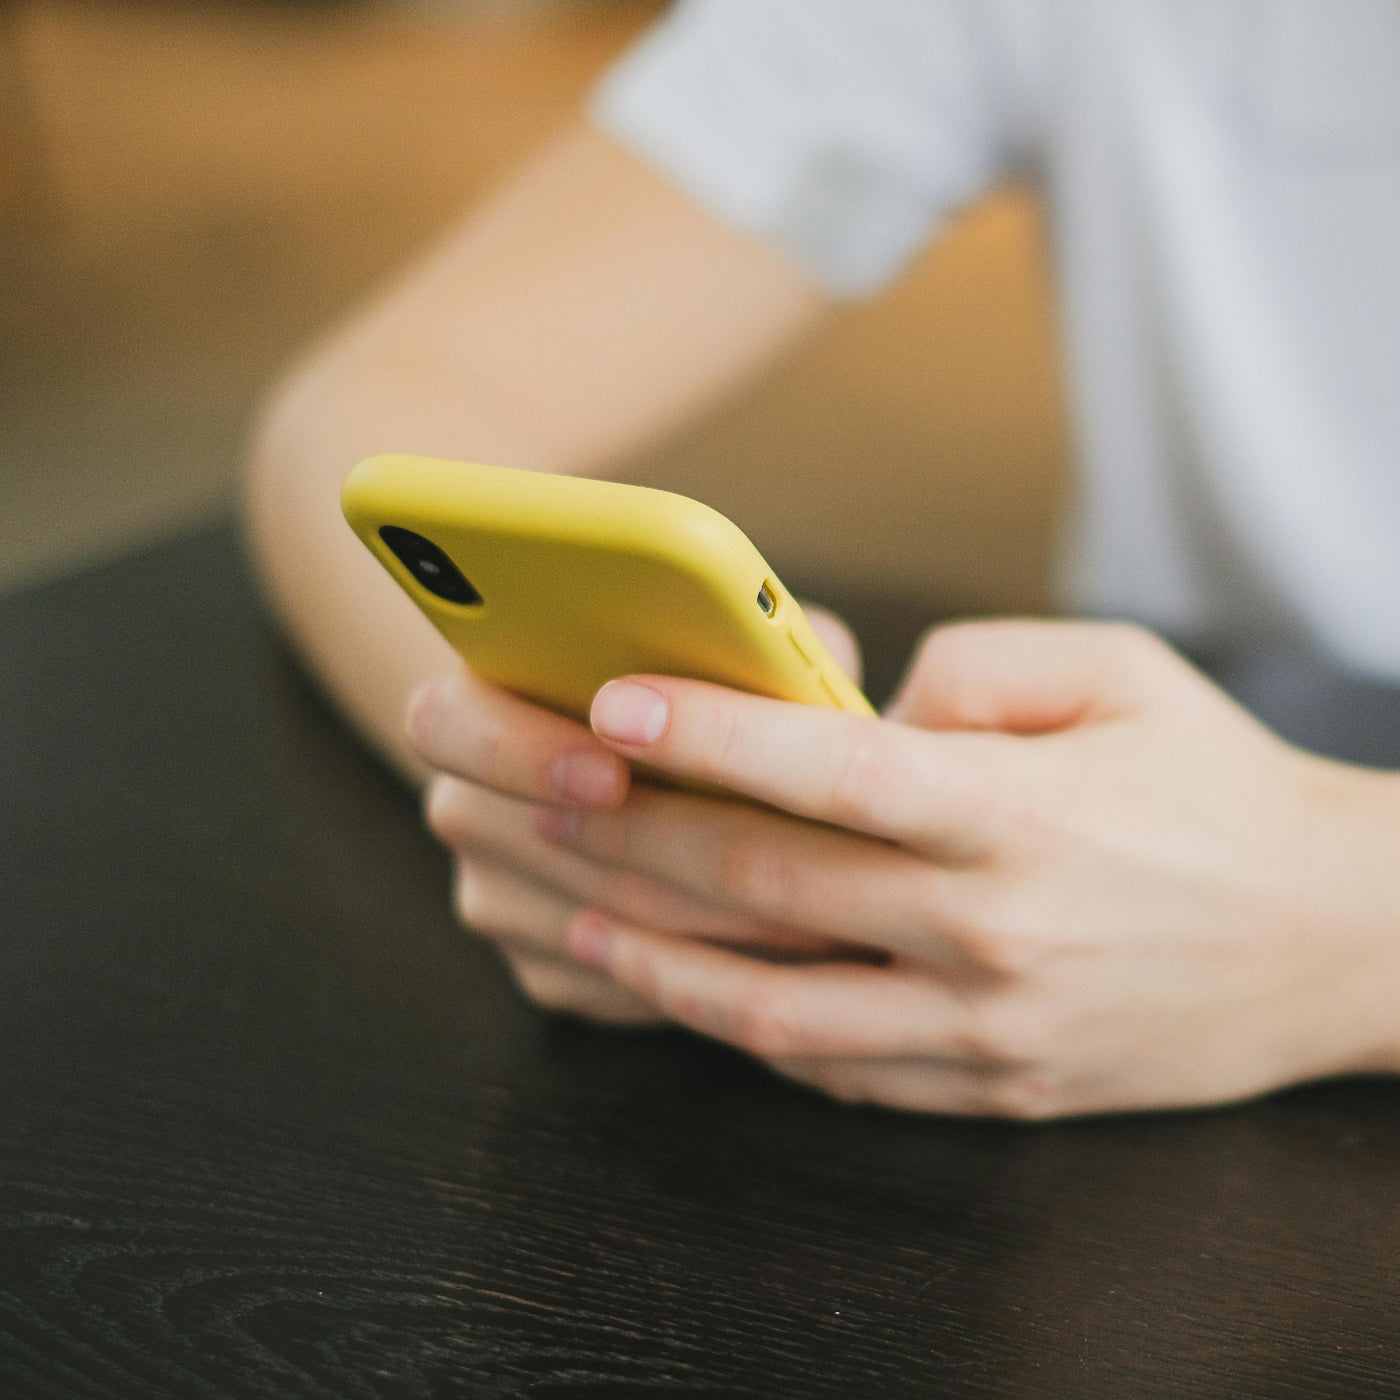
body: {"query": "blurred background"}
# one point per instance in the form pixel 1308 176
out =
pixel 188 192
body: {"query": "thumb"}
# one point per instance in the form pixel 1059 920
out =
pixel 1029 677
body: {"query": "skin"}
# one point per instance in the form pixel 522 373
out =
pixel 488 349
pixel 1062 875
pixel 1093 882
pixel 583 311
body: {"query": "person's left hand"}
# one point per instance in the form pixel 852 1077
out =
pixel 495 757
pixel 1098 883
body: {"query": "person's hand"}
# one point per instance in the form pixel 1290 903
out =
pixel 1100 884
pixel 498 757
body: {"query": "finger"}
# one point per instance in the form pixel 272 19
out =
pixel 917 1085
pixel 475 821
pixel 866 774
pixel 777 1012
pixel 529 923
pixel 777 870
pixel 1030 677
pixel 460 725
pixel 838 639
pixel 563 986
pixel 496 902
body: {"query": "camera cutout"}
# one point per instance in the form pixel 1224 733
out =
pixel 429 565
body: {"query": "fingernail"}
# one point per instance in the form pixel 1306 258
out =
pixel 629 713
pixel 589 939
pixel 586 778
pixel 557 825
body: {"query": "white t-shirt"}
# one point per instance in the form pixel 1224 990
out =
pixel 1223 178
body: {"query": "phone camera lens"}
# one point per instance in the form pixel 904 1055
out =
pixel 429 565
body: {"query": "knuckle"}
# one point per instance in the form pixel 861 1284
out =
pixel 764 1026
pixel 457 733
pixel 1002 951
pixel 933 904
pixel 862 773
pixel 1001 936
pixel 1003 1031
pixel 718 739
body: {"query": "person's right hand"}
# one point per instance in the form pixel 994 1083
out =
pixel 498 758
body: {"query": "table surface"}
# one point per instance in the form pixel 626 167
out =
pixel 270 1124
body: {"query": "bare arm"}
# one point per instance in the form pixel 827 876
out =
pixel 584 310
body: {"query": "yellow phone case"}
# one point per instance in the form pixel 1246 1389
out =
pixel 578 581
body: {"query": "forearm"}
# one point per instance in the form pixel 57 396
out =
pixel 585 310
pixel 367 643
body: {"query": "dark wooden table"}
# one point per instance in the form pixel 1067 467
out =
pixel 271 1124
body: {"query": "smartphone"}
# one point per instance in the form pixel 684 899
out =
pixel 550 586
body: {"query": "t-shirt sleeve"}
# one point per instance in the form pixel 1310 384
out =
pixel 841 132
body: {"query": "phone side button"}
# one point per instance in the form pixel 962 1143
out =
pixel 831 691
pixel 797 647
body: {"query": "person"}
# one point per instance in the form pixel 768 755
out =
pixel 1063 874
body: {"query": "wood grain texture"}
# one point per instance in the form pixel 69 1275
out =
pixel 271 1125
